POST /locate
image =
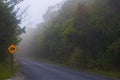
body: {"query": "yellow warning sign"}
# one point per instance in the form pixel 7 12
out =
pixel 12 49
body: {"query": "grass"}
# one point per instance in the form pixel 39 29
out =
pixel 107 73
pixel 97 71
pixel 6 71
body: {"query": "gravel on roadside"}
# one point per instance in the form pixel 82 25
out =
pixel 18 76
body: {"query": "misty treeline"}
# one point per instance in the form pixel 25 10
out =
pixel 9 28
pixel 81 34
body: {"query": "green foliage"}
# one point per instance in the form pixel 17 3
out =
pixel 9 30
pixel 113 54
pixel 83 34
pixel 5 72
pixel 77 59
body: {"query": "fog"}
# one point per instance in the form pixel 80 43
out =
pixel 80 34
pixel 34 11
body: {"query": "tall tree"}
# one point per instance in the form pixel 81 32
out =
pixel 9 29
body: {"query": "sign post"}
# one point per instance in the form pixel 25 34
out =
pixel 12 62
pixel 12 49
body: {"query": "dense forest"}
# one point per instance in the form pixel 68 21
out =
pixel 82 34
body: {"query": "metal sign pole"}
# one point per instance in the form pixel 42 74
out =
pixel 12 63
pixel 12 50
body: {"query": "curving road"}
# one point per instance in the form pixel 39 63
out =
pixel 36 70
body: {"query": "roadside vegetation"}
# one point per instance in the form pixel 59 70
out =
pixel 6 72
pixel 9 32
pixel 83 34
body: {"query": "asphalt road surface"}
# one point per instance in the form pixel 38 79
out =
pixel 36 70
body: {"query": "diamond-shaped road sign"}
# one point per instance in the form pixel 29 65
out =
pixel 12 49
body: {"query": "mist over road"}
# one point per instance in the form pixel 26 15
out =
pixel 36 70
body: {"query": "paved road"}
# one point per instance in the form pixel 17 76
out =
pixel 35 70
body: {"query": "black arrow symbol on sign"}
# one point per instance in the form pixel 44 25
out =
pixel 12 49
